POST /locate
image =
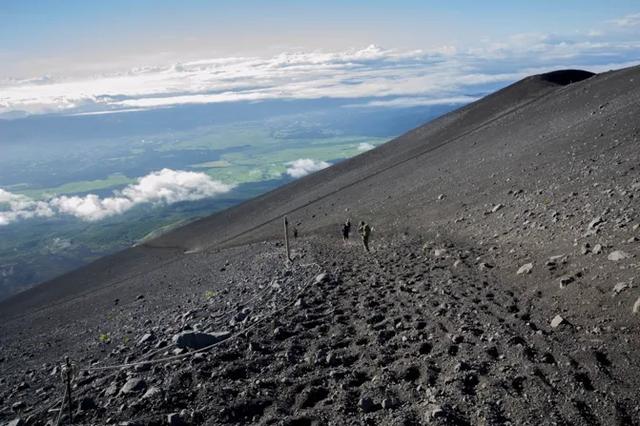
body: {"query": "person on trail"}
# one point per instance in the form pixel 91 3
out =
pixel 365 233
pixel 346 230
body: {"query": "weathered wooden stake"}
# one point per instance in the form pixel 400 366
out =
pixel 286 238
pixel 69 390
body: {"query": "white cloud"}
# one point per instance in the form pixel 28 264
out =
pixel 305 166
pixel 435 75
pixel 162 187
pixel 629 21
pixel 14 207
pixel 365 146
pixel 407 102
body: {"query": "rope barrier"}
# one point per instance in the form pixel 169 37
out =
pixel 70 369
pixel 64 397
pixel 189 354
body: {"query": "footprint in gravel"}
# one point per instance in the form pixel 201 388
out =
pixel 311 396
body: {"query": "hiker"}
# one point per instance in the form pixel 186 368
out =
pixel 365 233
pixel 346 229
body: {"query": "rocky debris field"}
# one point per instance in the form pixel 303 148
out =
pixel 417 332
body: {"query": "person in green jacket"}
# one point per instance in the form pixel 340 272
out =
pixel 365 232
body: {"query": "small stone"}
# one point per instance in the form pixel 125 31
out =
pixel 140 297
pixel 597 249
pixel 525 269
pixel 366 404
pixel 618 288
pixel 322 278
pixel 388 403
pixel 18 406
pixel 87 404
pixel 496 208
pixel 174 419
pixel 146 338
pixel 441 197
pixel 617 255
pixel 152 392
pixel 565 280
pixel 435 412
pixel 280 333
pixel 133 385
pixel 557 321
pixel 585 248
pixel 636 306
pixel 595 222
pixel 439 252
pixel 484 265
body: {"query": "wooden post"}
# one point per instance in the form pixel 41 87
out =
pixel 286 238
pixel 69 390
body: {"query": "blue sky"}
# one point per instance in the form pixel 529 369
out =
pixel 64 36
pixel 99 56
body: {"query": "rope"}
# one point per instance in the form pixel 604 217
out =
pixel 206 348
pixel 64 397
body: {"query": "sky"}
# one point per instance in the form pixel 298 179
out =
pixel 93 57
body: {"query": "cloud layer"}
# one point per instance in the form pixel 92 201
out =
pixel 444 75
pixel 305 166
pixel 162 187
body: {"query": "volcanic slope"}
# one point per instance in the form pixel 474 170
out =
pixel 500 288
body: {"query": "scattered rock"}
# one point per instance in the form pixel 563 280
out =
pixel 87 404
pixel 619 288
pixel 595 222
pixel 366 404
pixel 636 306
pixel 388 403
pixel 484 266
pixel 617 255
pixel 133 385
pixel 496 208
pixel 18 406
pixel 525 269
pixel 322 278
pixel 174 419
pixel 557 321
pixel 597 249
pixel 565 280
pixel 146 338
pixel 439 252
pixel 152 392
pixel 197 340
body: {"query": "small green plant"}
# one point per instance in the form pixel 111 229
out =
pixel 209 294
pixel 126 339
pixel 104 338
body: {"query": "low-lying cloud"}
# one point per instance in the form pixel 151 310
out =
pixel 447 74
pixel 365 146
pixel 161 187
pixel 304 166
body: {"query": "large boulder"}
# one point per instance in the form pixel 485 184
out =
pixel 197 340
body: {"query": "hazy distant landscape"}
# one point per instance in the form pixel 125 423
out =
pixel 251 148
